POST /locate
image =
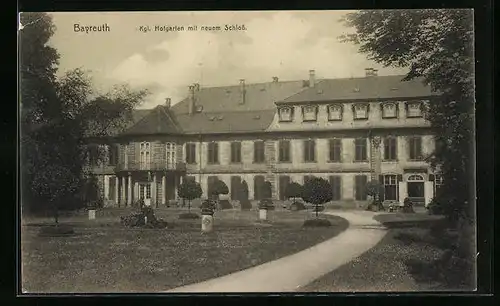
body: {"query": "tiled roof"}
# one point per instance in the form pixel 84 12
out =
pixel 375 87
pixel 225 122
pixel 258 97
pixel 157 121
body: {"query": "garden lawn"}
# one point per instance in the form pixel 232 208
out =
pixel 105 257
pixel 404 260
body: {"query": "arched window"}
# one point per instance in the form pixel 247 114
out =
pixel 389 110
pixel 285 113
pixel 415 178
pixel 145 155
pixel 170 155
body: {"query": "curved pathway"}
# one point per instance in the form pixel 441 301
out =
pixel 289 273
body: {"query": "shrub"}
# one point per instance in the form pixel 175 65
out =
pixel 434 208
pixel 208 207
pixel 189 215
pixel 56 231
pixel 317 223
pixel 138 219
pixel 295 206
pixel 245 203
pixel 225 204
pixel 266 204
pixel 293 190
pixel 408 206
pixel 189 190
pixel 317 191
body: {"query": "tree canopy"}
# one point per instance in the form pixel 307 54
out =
pixel 437 46
pixel 293 190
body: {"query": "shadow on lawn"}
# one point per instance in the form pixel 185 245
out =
pixel 450 271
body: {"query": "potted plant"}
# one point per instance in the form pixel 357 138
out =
pixel 207 215
pixel 266 203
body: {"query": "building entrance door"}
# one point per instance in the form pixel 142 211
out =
pixel 145 193
pixel 416 189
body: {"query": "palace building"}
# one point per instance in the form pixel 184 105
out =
pixel 349 131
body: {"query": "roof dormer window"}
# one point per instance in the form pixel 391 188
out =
pixel 413 109
pixel 360 111
pixel 309 113
pixel 285 114
pixel 389 110
pixel 335 112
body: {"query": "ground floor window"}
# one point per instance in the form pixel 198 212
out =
pixel 360 187
pixel 336 183
pixel 284 182
pixel 390 184
pixel 438 182
pixel 416 186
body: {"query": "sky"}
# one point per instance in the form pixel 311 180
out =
pixel 286 44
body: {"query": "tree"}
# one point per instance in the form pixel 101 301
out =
pixel 437 46
pixel 243 196
pixel 220 188
pixel 293 190
pixel 374 189
pixel 317 191
pixel 190 190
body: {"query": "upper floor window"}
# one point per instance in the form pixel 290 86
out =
pixel 145 155
pixel 360 149
pixel 309 150
pixel 415 146
pixel 286 113
pixel 309 113
pixel 284 151
pixel 258 152
pixel 335 112
pixel 390 148
pixel 213 153
pixel 190 153
pixel 389 110
pixel 335 150
pixel 170 153
pixel 413 109
pixel 360 111
pixel 236 152
pixel 113 155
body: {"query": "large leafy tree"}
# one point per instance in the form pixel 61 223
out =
pixel 59 118
pixel 437 46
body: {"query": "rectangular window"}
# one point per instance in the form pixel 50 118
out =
pixel 284 151
pixel 335 182
pixel 286 113
pixel 390 183
pixel 360 149
pixel 360 111
pixel 190 153
pixel 309 113
pixel 213 153
pixel 258 152
pixel 390 148
pixel 113 155
pixel 360 187
pixel 335 150
pixel 334 112
pixel 415 144
pixel 389 110
pixel 145 157
pixel 284 182
pixel 413 109
pixel 310 151
pixel 236 152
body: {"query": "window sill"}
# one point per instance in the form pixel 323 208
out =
pixel 334 120
pixel 407 116
pixel 390 160
pixel 210 164
pixel 311 120
pixel 395 117
pixel 259 162
pixel 416 160
pixel 284 161
pixel 310 162
pixel 285 120
pixel 334 161
pixel 361 119
pixel 360 161
pixel 236 163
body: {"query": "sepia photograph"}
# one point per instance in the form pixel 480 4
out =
pixel 247 151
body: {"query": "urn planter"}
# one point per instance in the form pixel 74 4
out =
pixel 91 214
pixel 262 213
pixel 207 222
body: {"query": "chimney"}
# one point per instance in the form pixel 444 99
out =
pixel 275 79
pixel 369 72
pixel 196 87
pixel 168 102
pixel 191 99
pixel 312 78
pixel 375 72
pixel 242 91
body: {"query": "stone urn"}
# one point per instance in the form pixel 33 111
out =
pixel 207 216
pixel 264 206
pixel 91 213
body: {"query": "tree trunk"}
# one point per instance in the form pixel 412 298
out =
pixel 56 213
pixel 189 205
pixel 316 211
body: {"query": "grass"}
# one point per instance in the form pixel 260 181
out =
pixel 105 257
pixel 408 258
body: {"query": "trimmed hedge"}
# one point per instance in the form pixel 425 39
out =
pixel 245 204
pixel 225 204
pixel 189 216
pixel 317 223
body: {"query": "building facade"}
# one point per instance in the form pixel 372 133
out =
pixel 348 131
